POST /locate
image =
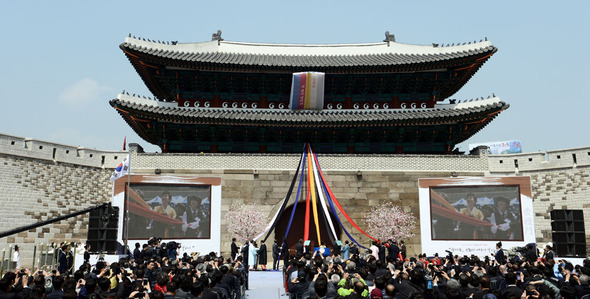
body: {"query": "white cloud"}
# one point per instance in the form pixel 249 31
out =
pixel 82 93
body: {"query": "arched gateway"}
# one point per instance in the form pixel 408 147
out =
pixel 296 231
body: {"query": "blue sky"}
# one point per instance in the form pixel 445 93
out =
pixel 60 61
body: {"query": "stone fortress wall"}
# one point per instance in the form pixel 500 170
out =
pixel 560 179
pixel 40 180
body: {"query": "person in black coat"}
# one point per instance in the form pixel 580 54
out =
pixel 65 259
pixel 337 250
pixel 275 255
pixel 381 252
pixel 245 253
pixel 354 250
pixel 299 248
pixel 57 293
pixel 499 254
pixel 234 249
pixel 300 285
pixel 262 259
pixel 285 254
pixel 87 254
pixel 402 249
pixel 531 253
pixel 408 287
pixel 393 250
pixel 549 255
pixel 511 288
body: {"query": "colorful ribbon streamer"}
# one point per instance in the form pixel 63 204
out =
pixel 330 201
pixel 285 201
pixel 296 201
pixel 339 206
pixel 322 200
pixel 313 198
pixel 307 203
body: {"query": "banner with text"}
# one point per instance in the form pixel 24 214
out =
pixel 500 147
pixel 307 91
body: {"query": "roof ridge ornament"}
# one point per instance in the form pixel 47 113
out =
pixel 217 37
pixel 389 38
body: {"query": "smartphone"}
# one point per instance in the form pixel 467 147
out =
pixel 145 281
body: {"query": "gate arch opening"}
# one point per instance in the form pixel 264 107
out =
pixel 298 226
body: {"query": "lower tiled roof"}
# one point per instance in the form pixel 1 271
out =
pixel 170 112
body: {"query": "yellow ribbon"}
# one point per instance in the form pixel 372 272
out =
pixel 313 197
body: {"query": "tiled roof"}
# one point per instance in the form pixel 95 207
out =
pixel 166 111
pixel 292 55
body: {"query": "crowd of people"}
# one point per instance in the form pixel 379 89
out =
pixel 380 272
pixel 154 270
pixel 157 270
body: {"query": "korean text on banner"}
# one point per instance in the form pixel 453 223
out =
pixel 307 91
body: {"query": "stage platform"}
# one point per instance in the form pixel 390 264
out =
pixel 266 284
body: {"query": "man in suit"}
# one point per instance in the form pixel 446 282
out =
pixel 506 224
pixel 191 218
pixel 511 288
pixel 275 255
pixel 499 254
pixel 299 248
pixel 354 250
pixel 57 293
pixel 393 251
pixel 65 259
pixel 234 249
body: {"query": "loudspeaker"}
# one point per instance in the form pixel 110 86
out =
pixel 103 226
pixel 568 232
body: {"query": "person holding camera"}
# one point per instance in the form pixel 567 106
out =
pixel 352 285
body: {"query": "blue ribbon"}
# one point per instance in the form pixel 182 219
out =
pixel 297 197
pixel 282 208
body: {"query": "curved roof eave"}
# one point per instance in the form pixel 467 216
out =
pixel 170 112
pixel 314 56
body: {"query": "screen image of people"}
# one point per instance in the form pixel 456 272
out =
pixel 476 213
pixel 169 211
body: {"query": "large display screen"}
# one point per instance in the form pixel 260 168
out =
pixel 476 213
pixel 168 211
pixel 470 215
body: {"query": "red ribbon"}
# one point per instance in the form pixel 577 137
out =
pixel 337 203
pixel 306 231
pixel 454 215
pixel 147 213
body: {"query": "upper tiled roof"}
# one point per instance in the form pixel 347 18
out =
pixel 166 111
pixel 304 55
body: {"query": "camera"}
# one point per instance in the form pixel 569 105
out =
pixel 139 295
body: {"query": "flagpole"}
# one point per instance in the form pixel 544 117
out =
pixel 126 207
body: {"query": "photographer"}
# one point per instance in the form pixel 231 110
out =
pixel 412 286
pixel 15 285
pixel 353 282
